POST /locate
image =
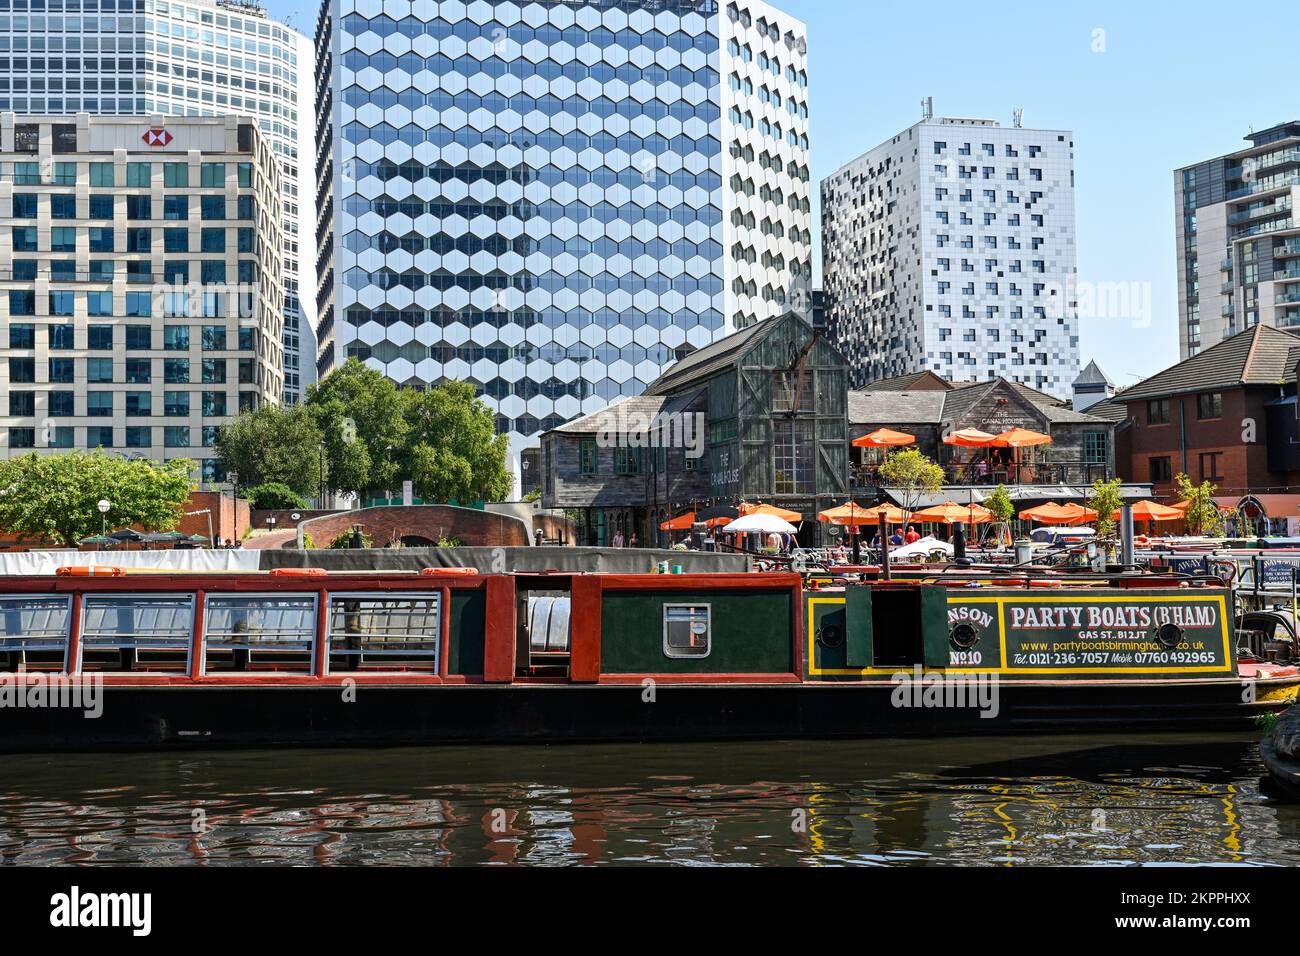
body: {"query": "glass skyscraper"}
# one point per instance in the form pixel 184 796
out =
pixel 553 200
pixel 197 58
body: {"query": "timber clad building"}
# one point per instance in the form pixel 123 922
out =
pixel 773 421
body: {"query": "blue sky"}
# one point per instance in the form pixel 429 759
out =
pixel 1167 85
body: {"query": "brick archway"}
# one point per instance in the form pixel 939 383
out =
pixel 431 522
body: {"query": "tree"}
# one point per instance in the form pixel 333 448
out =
pixel 58 495
pixel 1105 499
pixel 453 452
pixel 273 445
pixel 275 496
pixel 360 413
pixel 910 474
pixel 999 502
pixel 1203 515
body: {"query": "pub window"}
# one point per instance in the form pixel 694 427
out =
pixel 1209 462
pixel 687 630
pixel 369 633
pixel 627 461
pixel 1160 469
pixel 34 632
pixel 1095 448
pixel 260 632
pixel 793 457
pixel 1209 405
pixel 588 457
pixel 137 632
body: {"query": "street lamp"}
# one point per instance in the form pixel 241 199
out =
pixel 104 507
pixel 234 484
pixel 270 522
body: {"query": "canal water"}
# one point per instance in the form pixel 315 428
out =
pixel 995 802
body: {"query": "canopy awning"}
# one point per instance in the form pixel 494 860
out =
pixel 884 438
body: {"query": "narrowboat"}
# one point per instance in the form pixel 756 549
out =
pixel 300 657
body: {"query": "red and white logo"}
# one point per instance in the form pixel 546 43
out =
pixel 156 137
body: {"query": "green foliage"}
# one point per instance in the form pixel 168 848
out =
pixel 273 445
pixel 450 543
pixel 360 413
pixel 57 496
pixel 1106 499
pixel 1203 516
pixel 453 452
pixel 443 439
pixel 911 474
pixel 999 502
pixel 343 541
pixel 307 543
pixel 275 496
pixel 534 495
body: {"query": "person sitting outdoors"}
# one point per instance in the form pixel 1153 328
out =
pixel 912 536
pixel 896 539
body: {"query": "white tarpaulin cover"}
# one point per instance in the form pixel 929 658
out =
pixel 198 559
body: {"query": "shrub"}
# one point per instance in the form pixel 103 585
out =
pixel 344 541
pixel 275 496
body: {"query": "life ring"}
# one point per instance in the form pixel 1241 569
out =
pixel 297 572
pixel 88 570
pixel 1045 583
pixel 449 572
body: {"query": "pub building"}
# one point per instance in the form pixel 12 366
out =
pixel 764 416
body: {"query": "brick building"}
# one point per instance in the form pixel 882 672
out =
pixel 1226 415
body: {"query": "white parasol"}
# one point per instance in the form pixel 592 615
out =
pixel 761 523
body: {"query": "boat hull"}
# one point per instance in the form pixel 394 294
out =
pixel 214 716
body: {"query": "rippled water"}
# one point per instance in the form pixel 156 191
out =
pixel 984 802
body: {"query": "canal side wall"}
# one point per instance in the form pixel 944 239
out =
pixel 502 560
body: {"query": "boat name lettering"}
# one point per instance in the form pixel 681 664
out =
pixel 1123 615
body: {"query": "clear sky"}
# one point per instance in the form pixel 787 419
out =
pixel 1146 86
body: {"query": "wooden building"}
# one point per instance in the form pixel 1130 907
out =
pixel 770 402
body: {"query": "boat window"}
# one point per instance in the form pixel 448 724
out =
pixel 136 632
pixel 383 632
pixel 687 630
pixel 259 632
pixel 34 632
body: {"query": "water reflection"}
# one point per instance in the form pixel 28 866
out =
pixel 965 802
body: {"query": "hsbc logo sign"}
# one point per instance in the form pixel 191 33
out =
pixel 157 137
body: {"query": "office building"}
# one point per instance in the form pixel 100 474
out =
pixel 1238 240
pixel 196 58
pixel 555 200
pixel 140 288
pixel 950 248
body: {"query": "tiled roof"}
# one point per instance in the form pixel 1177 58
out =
pixel 644 407
pixel 1112 409
pixel 906 383
pixel 896 408
pixel 880 407
pixel 1093 375
pixel 1262 355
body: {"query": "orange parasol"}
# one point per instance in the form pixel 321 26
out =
pixel 1021 438
pixel 1054 514
pixel 970 438
pixel 884 438
pixel 952 513
pixel 1151 511
pixel 784 514
pixel 680 523
pixel 855 514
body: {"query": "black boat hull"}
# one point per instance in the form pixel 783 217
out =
pixel 214 716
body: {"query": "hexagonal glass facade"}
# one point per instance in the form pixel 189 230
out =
pixel 539 198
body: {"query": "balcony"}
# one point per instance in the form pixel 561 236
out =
pixel 1258 212
pixel 1227 287
pixel 1227 311
pixel 1065 472
pixel 1264 185
pixel 1286 250
pixel 1287 158
pixel 1286 298
pixel 1287 275
pixel 1225 265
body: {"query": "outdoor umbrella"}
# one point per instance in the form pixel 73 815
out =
pixel 161 536
pixel 680 523
pixel 97 539
pixel 1151 511
pixel 196 538
pixel 785 513
pixel 970 438
pixel 884 438
pixel 1054 514
pixel 952 513
pixel 123 535
pixel 763 524
pixel 853 514
pixel 1021 438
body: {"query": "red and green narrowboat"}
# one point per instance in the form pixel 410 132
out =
pixel 310 658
